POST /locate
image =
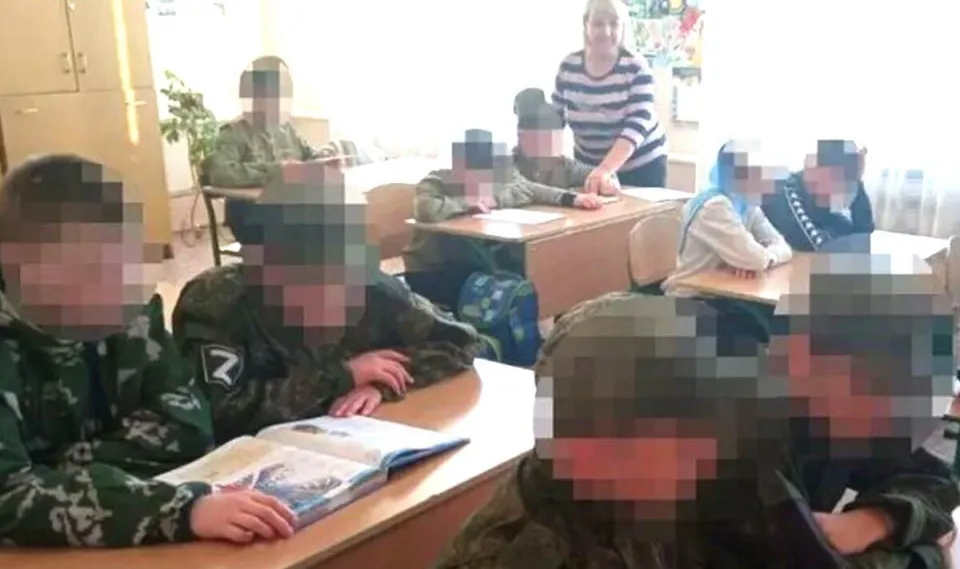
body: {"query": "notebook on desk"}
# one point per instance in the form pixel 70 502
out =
pixel 315 466
pixel 520 216
pixel 656 194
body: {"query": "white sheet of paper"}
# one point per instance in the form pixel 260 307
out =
pixel 656 194
pixel 520 216
pixel 608 199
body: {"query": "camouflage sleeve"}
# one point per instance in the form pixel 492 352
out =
pixel 229 165
pixel 171 426
pixel 521 192
pixel 97 501
pixel 919 495
pixel 919 557
pixel 96 505
pixel 431 204
pixel 251 390
pixel 502 535
pixel 575 173
pixel 438 345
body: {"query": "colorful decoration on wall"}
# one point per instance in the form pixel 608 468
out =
pixel 668 32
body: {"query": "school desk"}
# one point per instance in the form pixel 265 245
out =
pixel 570 260
pixel 400 526
pixel 767 288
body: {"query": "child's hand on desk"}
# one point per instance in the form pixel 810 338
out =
pixel 740 273
pixel 241 516
pixel 587 201
pixel 361 401
pixel 483 205
pixel 381 366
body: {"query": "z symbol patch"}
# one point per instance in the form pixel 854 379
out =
pixel 221 365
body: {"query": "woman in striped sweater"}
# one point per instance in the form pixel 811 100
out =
pixel 606 94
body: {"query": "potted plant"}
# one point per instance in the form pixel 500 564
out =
pixel 195 124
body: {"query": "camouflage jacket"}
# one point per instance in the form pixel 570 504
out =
pixel 244 153
pixel 527 524
pixel 435 202
pixel 559 172
pixel 78 445
pixel 255 379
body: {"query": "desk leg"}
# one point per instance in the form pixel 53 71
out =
pixel 416 543
pixel 570 268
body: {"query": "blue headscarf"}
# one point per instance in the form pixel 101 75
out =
pixel 722 183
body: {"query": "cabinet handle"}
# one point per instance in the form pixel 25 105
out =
pixel 67 64
pixel 136 103
pixel 82 62
pixel 30 111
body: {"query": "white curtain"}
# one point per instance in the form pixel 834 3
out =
pixel 412 75
pixel 787 72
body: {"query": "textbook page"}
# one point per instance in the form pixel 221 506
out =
pixel 382 444
pixel 306 481
pixel 656 194
pixel 520 216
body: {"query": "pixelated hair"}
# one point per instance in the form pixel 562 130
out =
pixel 688 357
pixel 58 188
pixel 264 64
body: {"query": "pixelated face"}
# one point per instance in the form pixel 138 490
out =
pixel 634 405
pixel 479 167
pixel 541 143
pixel 80 281
pixel 266 93
pixel 313 267
pixel 660 461
pixel 829 187
pixel 868 354
pixel 603 31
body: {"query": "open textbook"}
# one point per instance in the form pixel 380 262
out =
pixel 315 466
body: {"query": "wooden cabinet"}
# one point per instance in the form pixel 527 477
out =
pixel 76 77
pixel 36 55
pixel 119 129
pixel 110 44
pixel 60 46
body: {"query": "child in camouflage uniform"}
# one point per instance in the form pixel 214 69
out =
pixel 538 155
pixel 94 400
pixel 483 178
pixel 662 448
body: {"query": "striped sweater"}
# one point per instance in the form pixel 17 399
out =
pixel 601 110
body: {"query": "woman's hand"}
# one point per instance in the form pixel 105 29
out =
pixel 602 181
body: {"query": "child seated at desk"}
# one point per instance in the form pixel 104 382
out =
pixel 538 155
pixel 481 179
pixel 648 457
pixel 724 228
pixel 298 331
pixel 94 400
pixel 824 201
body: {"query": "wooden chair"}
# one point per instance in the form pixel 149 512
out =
pixel 388 208
pixel 653 251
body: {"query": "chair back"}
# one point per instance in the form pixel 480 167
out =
pixel 653 247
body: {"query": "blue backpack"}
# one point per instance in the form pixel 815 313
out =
pixel 503 307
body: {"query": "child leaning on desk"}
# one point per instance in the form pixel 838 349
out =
pixel 94 399
pixel 724 228
pixel 482 178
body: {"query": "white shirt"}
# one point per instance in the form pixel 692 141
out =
pixel 716 238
